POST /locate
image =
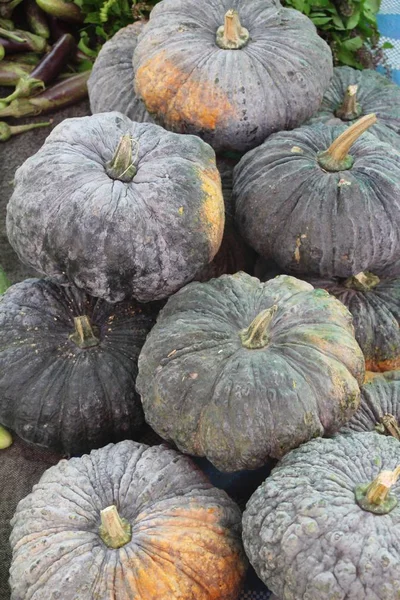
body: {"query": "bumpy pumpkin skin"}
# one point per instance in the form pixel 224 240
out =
pixel 375 94
pixel 186 534
pixel 56 394
pixel 233 99
pixel 70 220
pixel 307 537
pixel 380 396
pixel 110 85
pixel 311 221
pixel 214 397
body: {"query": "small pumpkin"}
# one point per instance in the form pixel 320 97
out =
pixel 353 93
pixel 231 71
pixel 110 85
pixel 68 364
pixel 321 200
pixel 325 524
pixel 127 521
pixel 240 371
pixel 118 208
pixel 379 409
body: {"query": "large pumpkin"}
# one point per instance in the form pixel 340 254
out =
pixel 231 71
pixel 126 522
pixel 110 85
pixel 379 409
pixel 321 200
pixel 240 371
pixel 68 365
pixel 118 208
pixel 325 525
pixel 353 93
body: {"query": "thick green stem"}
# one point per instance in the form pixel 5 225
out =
pixel 337 157
pixel 388 426
pixel 256 335
pixel 231 35
pixel 363 282
pixel 375 497
pixel 121 166
pixel 349 109
pixel 10 35
pixel 26 86
pixel 114 531
pixel 7 131
pixel 84 336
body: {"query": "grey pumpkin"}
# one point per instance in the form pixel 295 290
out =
pixel 231 71
pixel 240 371
pixel 118 208
pixel 126 521
pixel 110 85
pixel 353 93
pixel 326 523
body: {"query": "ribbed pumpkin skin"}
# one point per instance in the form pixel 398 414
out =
pixel 375 94
pixel 380 395
pixel 376 319
pixel 201 388
pixel 110 85
pixel 307 537
pixel 68 219
pixel 186 534
pixel 233 99
pixel 52 392
pixel 315 222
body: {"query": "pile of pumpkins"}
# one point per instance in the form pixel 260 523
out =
pixel 150 310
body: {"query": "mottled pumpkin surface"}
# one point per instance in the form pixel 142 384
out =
pixel 380 397
pixel 305 533
pixel 56 394
pixel 232 98
pixel 214 397
pixel 375 94
pixel 311 221
pixel 186 534
pixel 110 84
pixel 145 238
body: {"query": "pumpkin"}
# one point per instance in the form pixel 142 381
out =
pixel 68 364
pixel 240 371
pixel 110 85
pixel 353 93
pixel 321 200
pixel 230 71
pixel 118 208
pixel 128 521
pixel 325 524
pixel 379 409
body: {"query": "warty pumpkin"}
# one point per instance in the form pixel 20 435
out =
pixel 68 364
pixel 126 521
pixel 240 371
pixel 325 524
pixel 118 208
pixel 231 71
pixel 353 93
pixel 110 85
pixel 321 200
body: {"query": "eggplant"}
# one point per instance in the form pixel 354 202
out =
pixel 7 131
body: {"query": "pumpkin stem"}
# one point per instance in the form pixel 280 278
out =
pixel 349 109
pixel 231 35
pixel 363 282
pixel 256 334
pixel 337 157
pixel 5 438
pixel 114 531
pixel 375 497
pixel 84 336
pixel 388 426
pixel 121 165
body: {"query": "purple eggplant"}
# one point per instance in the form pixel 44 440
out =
pixel 37 20
pixel 30 42
pixel 65 11
pixel 11 72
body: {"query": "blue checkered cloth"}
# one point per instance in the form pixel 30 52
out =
pixel 389 27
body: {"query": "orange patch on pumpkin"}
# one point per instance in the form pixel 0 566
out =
pixel 212 213
pixel 380 366
pixel 179 98
pixel 370 376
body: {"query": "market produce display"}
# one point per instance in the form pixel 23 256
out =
pixel 172 534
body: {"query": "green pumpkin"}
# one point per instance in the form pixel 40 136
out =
pixel 240 371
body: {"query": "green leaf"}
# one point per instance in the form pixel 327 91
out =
pixel 353 20
pixel 320 20
pixel 298 5
pixel 353 43
pixel 338 22
pixel 346 57
pixel 372 5
pixel 84 47
pixel 4 281
pixel 387 45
